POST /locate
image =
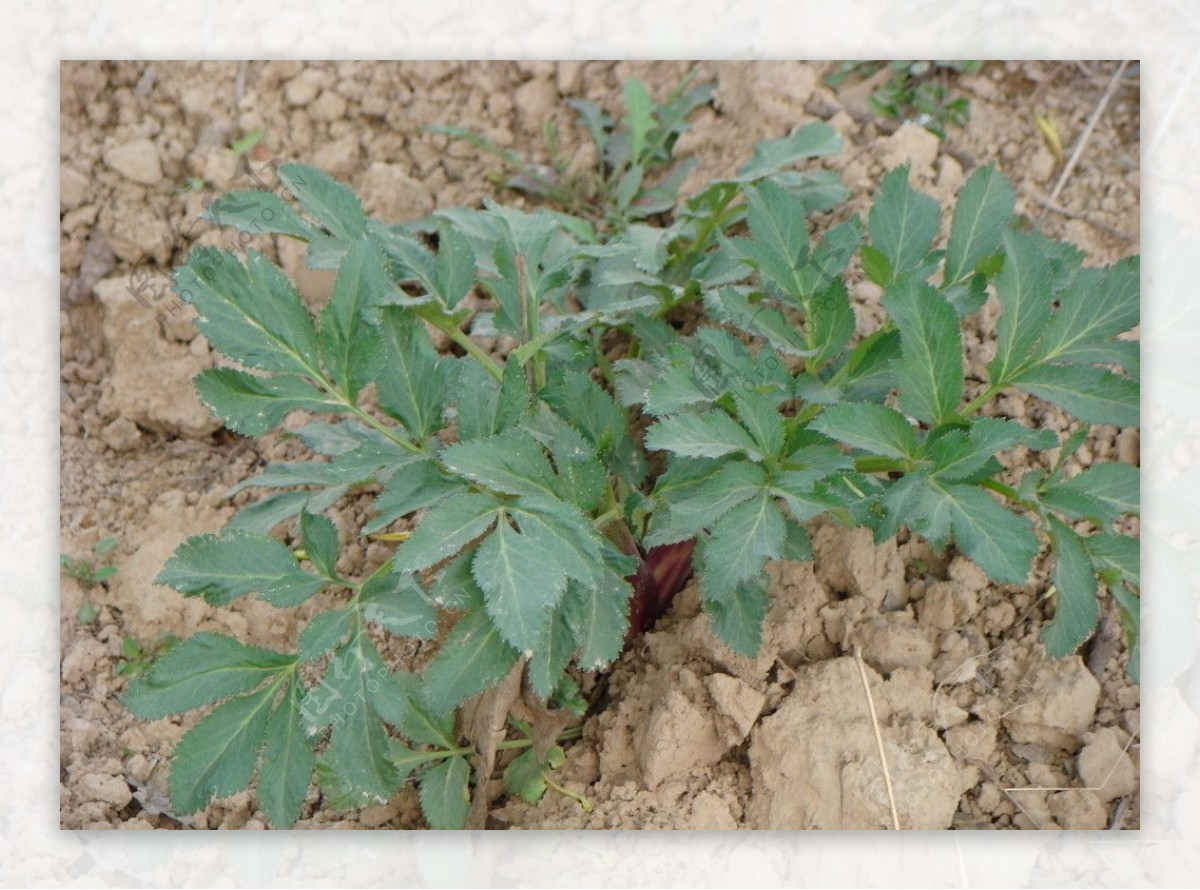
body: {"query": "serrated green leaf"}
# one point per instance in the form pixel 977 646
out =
pixel 1098 305
pixel 445 799
pixel 1092 395
pixel 1114 485
pixel 799 490
pixel 512 462
pixel 563 533
pixel 250 313
pixel 598 617
pixel 960 455
pixel 333 439
pixel 446 529
pixel 1076 609
pixel 320 538
pixel 485 408
pixel 639 117
pixel 759 413
pixel 350 347
pixel 251 405
pixel 581 401
pixel 903 223
pixel 223 567
pixel 324 631
pixel 872 428
pixel 737 616
pixel 216 757
pixel 521 585
pixel 581 476
pixel 258 212
pixel 701 505
pixel 832 319
pixel 1116 558
pixel 773 155
pixel 778 246
pixel 931 376
pixel 413 385
pixel 262 516
pixel 1023 288
pixel 473 658
pixel 523 777
pixel 329 202
pixel 984 208
pixel 868 373
pixel 420 725
pixel 550 658
pixel 707 434
pixel 740 544
pixel 454 269
pixel 358 749
pixel 287 764
pixel 1000 541
pixel 414 486
pixel 202 669
pixel 399 605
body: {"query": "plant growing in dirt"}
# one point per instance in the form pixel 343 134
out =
pixel 681 393
pixel 915 90
pixel 90 571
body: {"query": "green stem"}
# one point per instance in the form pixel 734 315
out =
pixel 584 802
pixel 982 399
pixel 882 465
pixel 447 326
pixel 1008 492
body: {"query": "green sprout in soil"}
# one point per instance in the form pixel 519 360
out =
pixel 686 391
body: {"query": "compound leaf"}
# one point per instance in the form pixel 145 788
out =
pixel 330 203
pixel 202 669
pixel 1076 609
pixel 903 223
pixel 707 434
pixel 473 658
pixel 413 387
pixel 873 428
pixel 250 313
pixel 251 405
pixel 931 376
pixel 216 757
pixel 446 529
pixel 1091 394
pixel 287 764
pixel 259 212
pixel 223 567
pixel 521 585
pixel 985 205
pixel 444 795
pixel 350 347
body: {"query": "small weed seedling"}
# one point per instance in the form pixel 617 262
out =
pixel 136 659
pixel 90 571
pixel 546 502
pixel 914 91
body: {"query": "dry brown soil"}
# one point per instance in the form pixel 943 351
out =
pixel 692 736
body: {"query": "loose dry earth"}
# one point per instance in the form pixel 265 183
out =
pixel 692 736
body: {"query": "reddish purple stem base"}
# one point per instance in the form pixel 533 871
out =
pixel 661 574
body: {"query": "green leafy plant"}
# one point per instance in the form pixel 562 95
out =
pixel 136 659
pixel 916 91
pixel 548 500
pixel 637 176
pixel 90 571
